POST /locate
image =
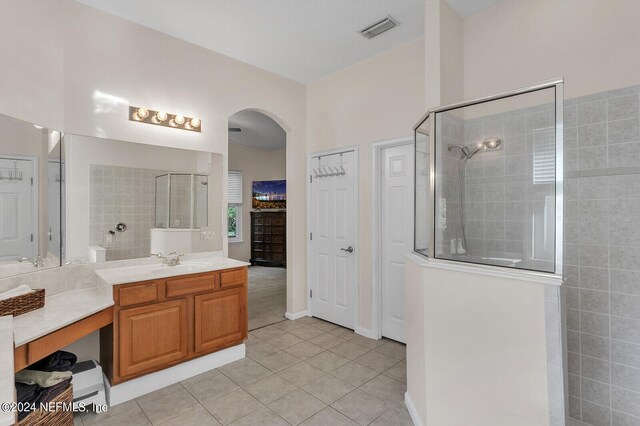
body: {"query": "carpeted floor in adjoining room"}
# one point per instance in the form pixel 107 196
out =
pixel 267 296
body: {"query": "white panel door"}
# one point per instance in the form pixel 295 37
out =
pixel 17 219
pixel 332 245
pixel 396 221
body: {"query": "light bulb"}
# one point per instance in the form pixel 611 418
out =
pixel 173 123
pixel 136 116
pixel 178 119
pixel 195 122
pixel 143 113
pixel 161 116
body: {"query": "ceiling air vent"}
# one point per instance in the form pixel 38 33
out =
pixel 379 27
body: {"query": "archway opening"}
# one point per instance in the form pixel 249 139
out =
pixel 256 211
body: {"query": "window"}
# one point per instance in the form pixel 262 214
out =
pixel 234 210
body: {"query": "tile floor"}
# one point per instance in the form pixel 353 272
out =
pixel 267 296
pixel 307 372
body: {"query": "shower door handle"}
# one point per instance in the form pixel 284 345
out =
pixel 348 249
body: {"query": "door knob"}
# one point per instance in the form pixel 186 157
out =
pixel 348 249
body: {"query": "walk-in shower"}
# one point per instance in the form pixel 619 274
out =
pixel 466 153
pixel 492 193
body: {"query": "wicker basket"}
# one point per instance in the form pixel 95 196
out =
pixel 22 304
pixel 52 418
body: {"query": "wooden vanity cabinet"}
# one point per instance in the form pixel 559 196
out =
pixel 161 323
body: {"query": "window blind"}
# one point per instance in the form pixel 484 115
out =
pixel 544 156
pixel 235 187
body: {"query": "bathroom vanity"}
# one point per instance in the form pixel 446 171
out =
pixel 164 321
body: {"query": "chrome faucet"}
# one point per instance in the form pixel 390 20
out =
pixel 36 261
pixel 172 259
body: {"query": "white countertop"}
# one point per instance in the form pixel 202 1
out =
pixel 59 311
pixel 132 274
pixel 6 368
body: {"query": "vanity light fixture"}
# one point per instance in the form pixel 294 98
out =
pixel 161 118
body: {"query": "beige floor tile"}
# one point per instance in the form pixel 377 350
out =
pixel 327 361
pixel 269 332
pixel 279 361
pixel 232 406
pixel 251 339
pixel 398 372
pixel 196 417
pixel 288 325
pixel 260 350
pixel 212 388
pixel 328 389
pixel 269 389
pixel 159 393
pixel 343 333
pixel 349 350
pixel 297 406
pixel 376 361
pixel 284 341
pixel 326 340
pixel 245 371
pixel 396 415
pixel 393 349
pixel 166 407
pixel 366 342
pixel 262 417
pixel 324 326
pixel 328 417
pixel 200 377
pixel 125 413
pixel 360 407
pixel 310 321
pixel 77 421
pixel 304 350
pixel 306 332
pixel 301 374
pixel 354 374
pixel 385 389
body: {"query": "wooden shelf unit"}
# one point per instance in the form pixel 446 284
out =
pixel 269 238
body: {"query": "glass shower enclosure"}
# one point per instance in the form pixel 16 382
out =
pixel 181 201
pixel 489 187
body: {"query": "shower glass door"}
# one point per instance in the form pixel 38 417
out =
pixel 496 182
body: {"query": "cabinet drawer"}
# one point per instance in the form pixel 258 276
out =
pixel 135 294
pixel 233 277
pixel 190 285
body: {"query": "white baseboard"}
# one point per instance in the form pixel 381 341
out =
pixel 412 410
pixel 366 333
pixel 297 315
pixel 151 382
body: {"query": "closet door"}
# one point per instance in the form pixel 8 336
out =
pixel 333 245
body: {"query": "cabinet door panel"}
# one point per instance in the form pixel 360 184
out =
pixel 152 337
pixel 220 319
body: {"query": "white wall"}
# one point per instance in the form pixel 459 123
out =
pixel 74 68
pixel 592 43
pixel 485 352
pixel 255 164
pixel 374 100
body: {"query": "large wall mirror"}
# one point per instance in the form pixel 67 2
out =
pixel 32 208
pixel 127 200
pixel 66 198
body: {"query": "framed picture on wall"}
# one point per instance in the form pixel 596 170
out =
pixel 269 194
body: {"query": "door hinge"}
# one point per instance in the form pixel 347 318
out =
pixel 310 294
pixel 31 181
pixel 31 237
pixel 310 179
pixel 311 236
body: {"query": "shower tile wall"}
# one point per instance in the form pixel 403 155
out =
pixel 122 194
pixel 602 256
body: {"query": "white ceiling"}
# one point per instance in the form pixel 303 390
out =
pixel 300 39
pixel 469 7
pixel 258 131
